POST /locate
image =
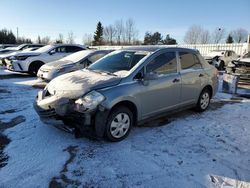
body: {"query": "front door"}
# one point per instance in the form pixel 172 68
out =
pixel 161 93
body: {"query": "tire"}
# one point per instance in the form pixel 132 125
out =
pixel 203 101
pixel 34 67
pixel 119 123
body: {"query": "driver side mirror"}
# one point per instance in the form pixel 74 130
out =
pixel 52 52
pixel 150 76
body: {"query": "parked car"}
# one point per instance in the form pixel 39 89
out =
pixel 73 62
pixel 7 51
pixel 221 58
pixel 126 87
pixel 3 46
pixel 18 48
pixel 30 62
pixel 240 68
pixel 7 57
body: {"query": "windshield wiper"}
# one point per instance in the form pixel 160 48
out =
pixel 109 73
pixel 102 71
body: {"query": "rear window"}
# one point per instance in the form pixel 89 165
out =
pixel 189 61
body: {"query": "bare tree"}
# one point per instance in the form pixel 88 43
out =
pixel 130 30
pixel 87 39
pixel 60 38
pixel 239 35
pixel 119 26
pixel 109 34
pixel 193 35
pixel 45 40
pixel 218 35
pixel 71 38
pixel 204 37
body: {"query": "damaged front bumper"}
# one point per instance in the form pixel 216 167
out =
pixel 14 65
pixel 241 69
pixel 63 114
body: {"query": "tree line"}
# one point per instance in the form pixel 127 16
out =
pixel 198 35
pixel 119 33
pixel 7 37
pixel 126 33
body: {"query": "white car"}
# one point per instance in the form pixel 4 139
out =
pixel 73 62
pixel 241 68
pixel 7 51
pixel 8 56
pixel 30 62
pixel 221 58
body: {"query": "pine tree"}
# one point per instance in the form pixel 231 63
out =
pixel 39 40
pixel 98 36
pixel 168 40
pixel 229 39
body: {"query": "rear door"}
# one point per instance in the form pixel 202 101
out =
pixel 191 74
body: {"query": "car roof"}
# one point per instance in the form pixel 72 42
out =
pixel 157 48
pixel 68 45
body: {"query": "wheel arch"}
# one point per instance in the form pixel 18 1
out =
pixel 130 105
pixel 209 88
pixel 33 63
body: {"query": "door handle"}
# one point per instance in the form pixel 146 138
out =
pixel 201 75
pixel 176 80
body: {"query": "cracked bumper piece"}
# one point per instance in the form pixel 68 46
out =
pixel 61 113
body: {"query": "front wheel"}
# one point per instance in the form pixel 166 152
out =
pixel 119 124
pixel 34 67
pixel 203 101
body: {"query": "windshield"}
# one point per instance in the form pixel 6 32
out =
pixel 44 49
pixel 118 61
pixel 247 55
pixel 20 46
pixel 75 57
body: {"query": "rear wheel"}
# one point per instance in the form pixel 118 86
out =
pixel 119 124
pixel 204 100
pixel 34 67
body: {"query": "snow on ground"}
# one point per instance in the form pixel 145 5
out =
pixel 210 149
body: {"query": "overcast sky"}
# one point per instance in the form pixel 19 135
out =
pixel 51 17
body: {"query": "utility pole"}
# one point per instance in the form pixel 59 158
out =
pixel 17 33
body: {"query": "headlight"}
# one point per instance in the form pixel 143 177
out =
pixel 21 58
pixel 11 58
pixel 89 102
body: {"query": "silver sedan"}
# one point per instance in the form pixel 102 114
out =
pixel 73 62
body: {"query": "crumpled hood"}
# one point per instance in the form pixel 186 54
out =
pixel 32 53
pixel 75 84
pixel 247 60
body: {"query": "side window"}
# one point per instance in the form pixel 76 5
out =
pixel 95 57
pixel 60 49
pixel 163 64
pixel 189 61
pixel 71 49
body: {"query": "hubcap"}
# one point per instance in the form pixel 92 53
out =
pixel 205 100
pixel 120 125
